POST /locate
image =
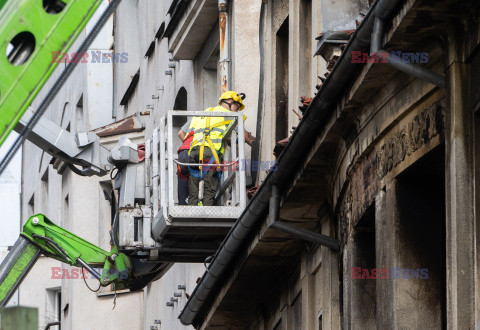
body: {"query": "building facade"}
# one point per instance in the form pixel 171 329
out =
pixel 380 160
pixel 384 161
pixel 152 56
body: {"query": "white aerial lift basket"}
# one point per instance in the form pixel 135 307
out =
pixel 179 225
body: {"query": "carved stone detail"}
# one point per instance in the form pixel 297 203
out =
pixel 366 172
pixel 411 137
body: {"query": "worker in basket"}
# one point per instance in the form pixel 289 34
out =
pixel 207 148
pixel 186 136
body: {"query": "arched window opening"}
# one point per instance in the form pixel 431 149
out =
pixel 180 104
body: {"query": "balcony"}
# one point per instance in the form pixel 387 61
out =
pixel 189 25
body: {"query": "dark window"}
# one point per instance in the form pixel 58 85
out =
pixel 79 116
pixel 305 56
pixel 281 82
pixel 180 104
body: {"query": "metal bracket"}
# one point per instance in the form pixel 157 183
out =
pixel 125 152
pixel 82 149
pixel 376 45
pixel 304 234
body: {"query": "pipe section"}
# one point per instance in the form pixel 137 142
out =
pixel 306 235
pixel 224 61
pixel 409 68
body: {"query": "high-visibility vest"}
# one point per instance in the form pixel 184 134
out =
pixel 209 129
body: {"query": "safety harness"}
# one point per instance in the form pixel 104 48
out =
pixel 200 174
pixel 206 137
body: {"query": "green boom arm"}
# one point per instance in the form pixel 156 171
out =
pixel 40 235
pixel 31 32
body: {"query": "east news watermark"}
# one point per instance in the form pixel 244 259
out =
pixel 359 273
pixel 75 273
pixel 392 57
pixel 95 56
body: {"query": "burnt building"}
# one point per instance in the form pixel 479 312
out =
pixel 370 219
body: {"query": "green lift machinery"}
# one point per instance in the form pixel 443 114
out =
pixel 41 236
pixel 149 232
pixel 29 31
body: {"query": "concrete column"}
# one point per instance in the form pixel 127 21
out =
pixel 460 193
pixel 477 215
pixel 359 294
pixel 308 295
pixel 332 318
pixel 330 281
pixel 385 238
pixel 347 292
pixel 409 247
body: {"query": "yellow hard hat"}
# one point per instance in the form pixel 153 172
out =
pixel 234 96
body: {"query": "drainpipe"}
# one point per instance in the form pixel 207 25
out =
pixel 224 61
pixel 52 324
pixel 307 235
pixel 412 69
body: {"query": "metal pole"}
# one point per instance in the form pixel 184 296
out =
pixel 164 190
pixel 307 235
pixel 90 269
pixel 170 169
pixel 411 69
pixel 241 157
pixel 273 222
pixel 224 61
pixel 155 171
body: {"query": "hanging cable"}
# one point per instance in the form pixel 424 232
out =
pixel 99 284
pixel 115 298
pixel 114 176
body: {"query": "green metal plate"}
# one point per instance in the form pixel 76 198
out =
pixel 73 245
pixel 15 267
pixel 52 32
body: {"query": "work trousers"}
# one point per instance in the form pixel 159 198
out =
pixel 183 182
pixel 211 179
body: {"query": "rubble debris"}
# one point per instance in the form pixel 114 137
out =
pixel 331 45
pixel 280 146
pixel 305 103
pixel 252 191
pixel 359 19
pixel 298 115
